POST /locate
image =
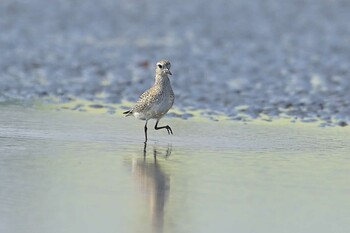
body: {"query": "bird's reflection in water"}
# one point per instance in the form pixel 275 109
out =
pixel 153 181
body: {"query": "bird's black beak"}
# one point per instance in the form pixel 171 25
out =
pixel 167 71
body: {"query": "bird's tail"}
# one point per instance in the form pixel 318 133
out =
pixel 127 113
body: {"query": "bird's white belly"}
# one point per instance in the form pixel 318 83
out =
pixel 156 111
pixel 159 109
pixel 140 115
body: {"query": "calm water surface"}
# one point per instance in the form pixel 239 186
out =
pixel 82 172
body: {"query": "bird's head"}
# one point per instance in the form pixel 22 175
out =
pixel 163 67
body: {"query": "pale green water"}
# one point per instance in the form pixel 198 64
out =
pixel 81 172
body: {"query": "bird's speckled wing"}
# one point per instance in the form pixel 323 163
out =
pixel 147 99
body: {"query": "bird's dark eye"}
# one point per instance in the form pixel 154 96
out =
pixel 160 66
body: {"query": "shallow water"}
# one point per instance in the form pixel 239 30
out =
pixel 65 171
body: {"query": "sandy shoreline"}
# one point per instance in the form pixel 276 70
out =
pixel 279 134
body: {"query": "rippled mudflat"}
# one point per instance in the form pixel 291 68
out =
pixel 255 57
pixel 64 171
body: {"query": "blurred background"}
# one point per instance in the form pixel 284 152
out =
pixel 267 57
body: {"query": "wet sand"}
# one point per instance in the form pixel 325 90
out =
pixel 70 171
pixel 257 57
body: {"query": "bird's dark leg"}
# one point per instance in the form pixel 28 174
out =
pixel 144 149
pixel 167 127
pixel 146 131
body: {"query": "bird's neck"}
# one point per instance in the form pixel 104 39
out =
pixel 162 80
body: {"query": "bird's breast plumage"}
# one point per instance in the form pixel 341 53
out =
pixel 156 101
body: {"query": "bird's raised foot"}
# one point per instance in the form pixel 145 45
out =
pixel 170 131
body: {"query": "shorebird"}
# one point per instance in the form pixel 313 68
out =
pixel 156 101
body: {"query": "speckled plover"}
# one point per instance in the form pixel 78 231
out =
pixel 156 101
